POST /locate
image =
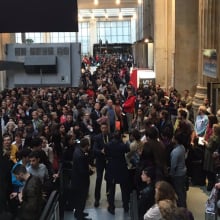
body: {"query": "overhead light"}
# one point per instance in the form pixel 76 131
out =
pixel 148 40
pixel 117 2
pixel 134 16
pixel 139 2
pixel 80 17
pixel 106 15
pixel 96 2
pixel 92 16
pixel 120 15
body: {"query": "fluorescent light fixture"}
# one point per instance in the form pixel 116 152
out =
pixel 134 16
pixel 120 15
pixel 80 17
pixel 117 2
pixel 106 15
pixel 92 16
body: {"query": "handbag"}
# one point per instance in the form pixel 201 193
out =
pixel 117 125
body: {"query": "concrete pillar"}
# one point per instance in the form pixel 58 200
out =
pixel 46 37
pixel 208 39
pixel 186 45
pixel 4 39
pixel 93 35
pixel 150 55
pixel 164 41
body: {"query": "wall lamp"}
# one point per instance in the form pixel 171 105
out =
pixel 148 40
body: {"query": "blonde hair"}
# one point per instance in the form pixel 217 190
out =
pixel 166 207
pixel 202 108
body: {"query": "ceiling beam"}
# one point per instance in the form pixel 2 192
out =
pixel 105 5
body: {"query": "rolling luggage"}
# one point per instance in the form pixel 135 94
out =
pixel 211 212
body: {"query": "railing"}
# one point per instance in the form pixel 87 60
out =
pixel 51 210
pixel 134 206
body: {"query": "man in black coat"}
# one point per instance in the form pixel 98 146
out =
pixel 31 197
pixel 95 115
pixel 80 178
pixel 5 181
pixel 100 141
pixel 117 171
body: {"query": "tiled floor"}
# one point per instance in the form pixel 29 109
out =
pixel 196 198
pixel 102 214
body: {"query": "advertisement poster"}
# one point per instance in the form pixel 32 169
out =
pixel 210 63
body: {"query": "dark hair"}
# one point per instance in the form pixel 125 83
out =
pixel 20 168
pixel 117 135
pixel 165 114
pixel 150 172
pixel 68 137
pixel 23 153
pixel 19 134
pixel 104 123
pixel 84 142
pixel 179 137
pixel 152 132
pixel 36 142
pixel 183 103
pixel 212 120
pixel 6 135
pixel 163 101
pixel 34 154
pixel 183 113
pixel 136 134
pixel 156 107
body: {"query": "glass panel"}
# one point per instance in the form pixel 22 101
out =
pixel 114 39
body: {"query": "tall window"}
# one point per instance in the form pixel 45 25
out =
pixel 114 31
pixel 84 36
pixel 61 37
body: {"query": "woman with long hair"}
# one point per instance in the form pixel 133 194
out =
pixel 165 202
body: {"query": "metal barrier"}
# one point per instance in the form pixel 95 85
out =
pixel 51 210
pixel 134 206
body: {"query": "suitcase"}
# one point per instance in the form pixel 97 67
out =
pixel 211 212
pixel 211 216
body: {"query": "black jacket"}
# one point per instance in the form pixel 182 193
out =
pixel 80 170
pixel 146 199
pixel 5 181
pixel 33 202
pixel 116 169
pixel 99 144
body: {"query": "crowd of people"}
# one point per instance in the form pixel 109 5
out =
pixel 140 138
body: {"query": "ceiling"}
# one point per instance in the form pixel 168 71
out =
pixel 87 9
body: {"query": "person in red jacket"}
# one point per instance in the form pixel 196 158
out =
pixel 128 107
pixel 90 91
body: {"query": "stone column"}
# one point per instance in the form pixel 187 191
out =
pixel 46 37
pixel 186 45
pixel 93 35
pixel 160 43
pixel 164 41
pixel 206 40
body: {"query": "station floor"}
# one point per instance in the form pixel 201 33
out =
pixel 196 199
